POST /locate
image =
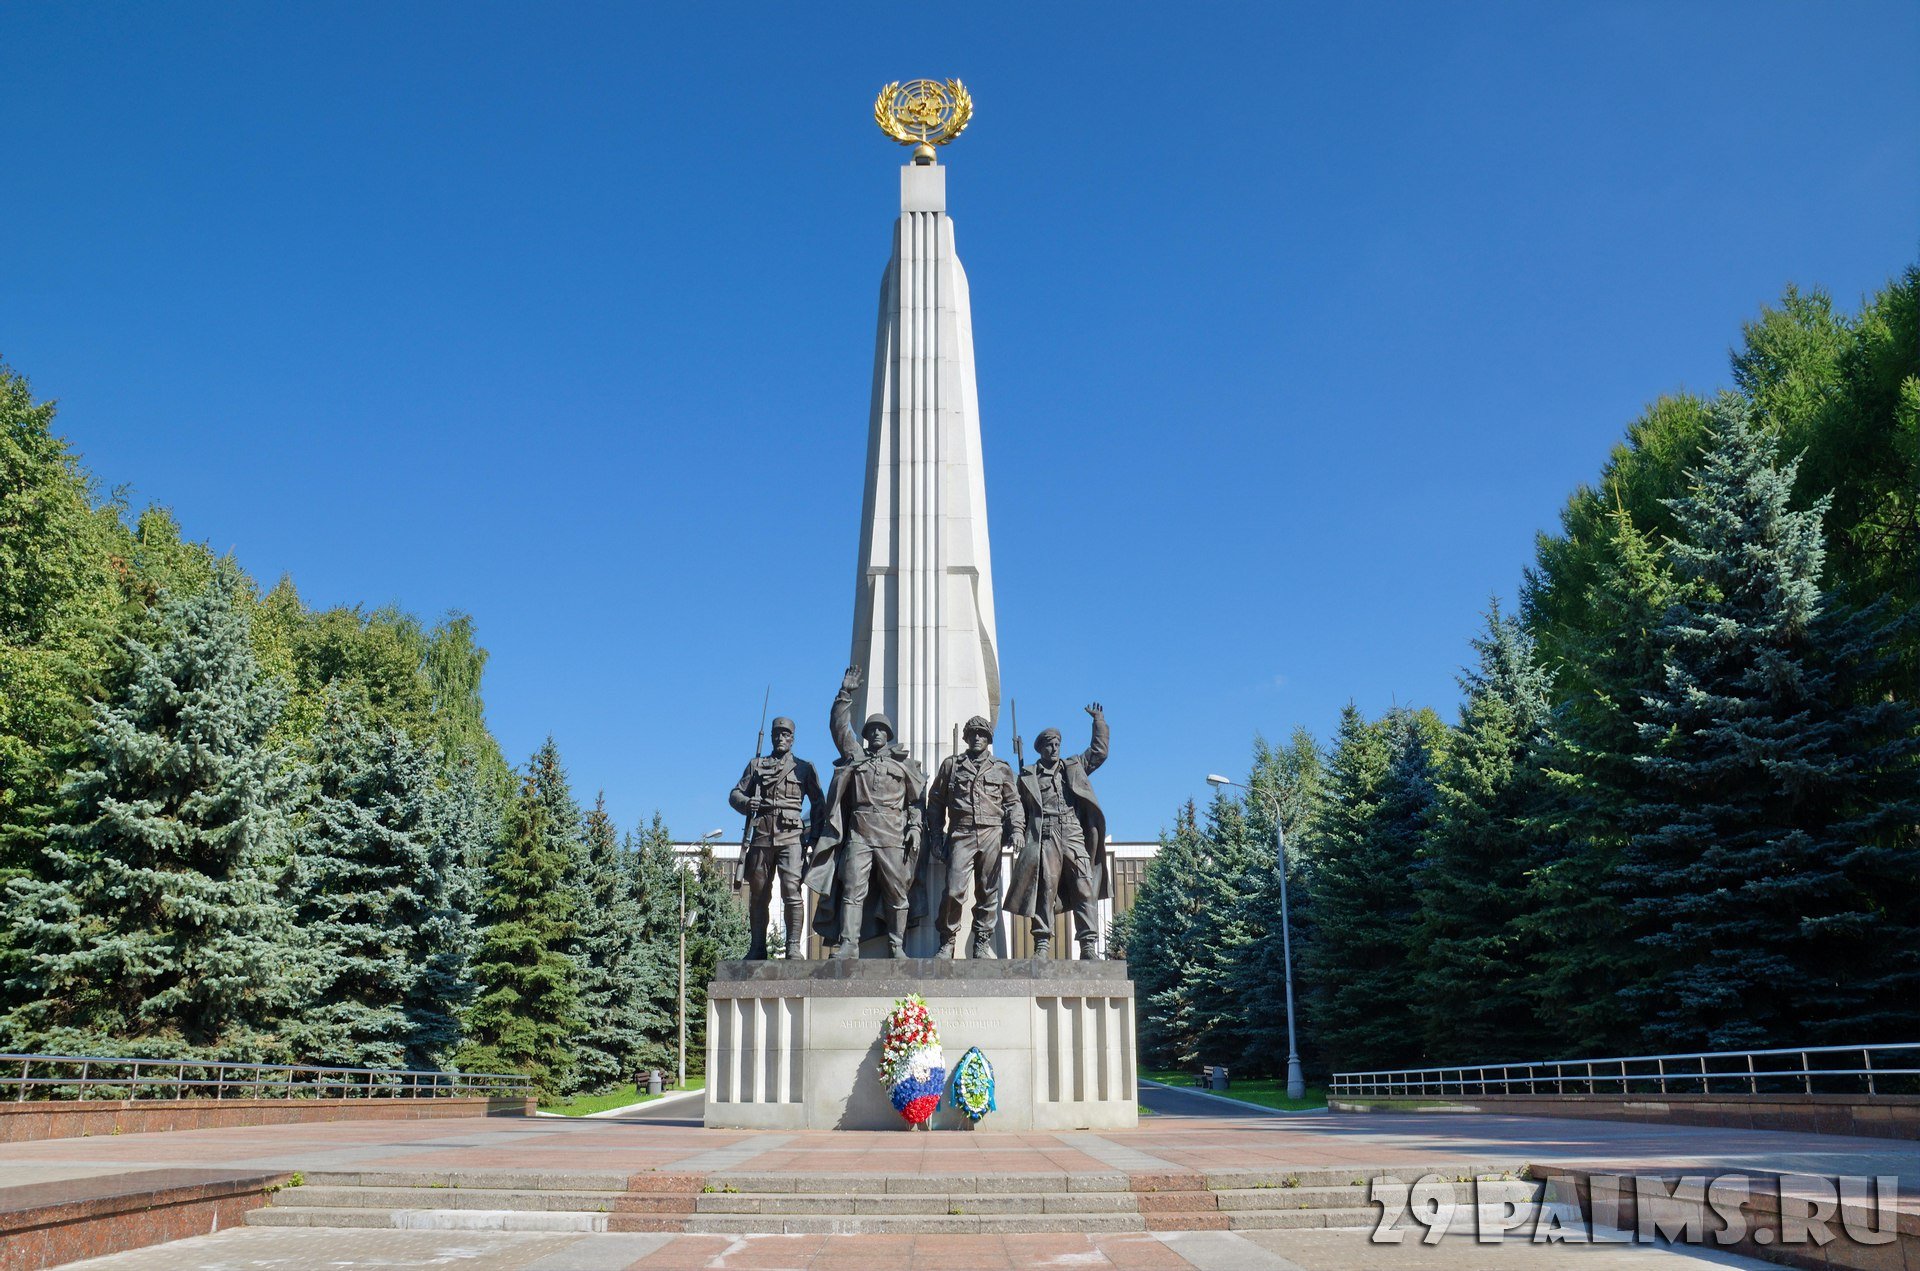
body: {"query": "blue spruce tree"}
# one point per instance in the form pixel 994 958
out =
pixel 1773 867
pixel 616 992
pixel 360 882
pixel 154 925
pixel 466 831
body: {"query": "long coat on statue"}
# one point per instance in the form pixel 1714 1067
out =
pixel 823 863
pixel 1033 894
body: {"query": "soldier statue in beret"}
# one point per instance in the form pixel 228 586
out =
pixel 770 795
pixel 974 808
pixel 872 833
pixel 1065 855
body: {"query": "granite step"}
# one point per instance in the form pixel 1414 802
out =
pixel 1484 1192
pixel 919 1224
pixel 430 1219
pixel 323 1196
pixel 861 1204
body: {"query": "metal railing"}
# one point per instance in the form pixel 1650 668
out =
pixel 1841 1070
pixel 108 1077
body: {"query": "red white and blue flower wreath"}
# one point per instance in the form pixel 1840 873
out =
pixel 911 1065
pixel 971 1090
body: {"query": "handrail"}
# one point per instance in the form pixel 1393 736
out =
pixel 153 1077
pixel 1652 1074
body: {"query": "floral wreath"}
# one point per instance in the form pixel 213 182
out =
pixel 971 1090
pixel 911 1065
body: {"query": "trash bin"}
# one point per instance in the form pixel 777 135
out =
pixel 656 1081
pixel 1220 1077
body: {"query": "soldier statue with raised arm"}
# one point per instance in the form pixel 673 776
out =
pixel 973 808
pixel 1063 864
pixel 770 795
pixel 872 833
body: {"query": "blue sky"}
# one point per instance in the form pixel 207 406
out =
pixel 1294 323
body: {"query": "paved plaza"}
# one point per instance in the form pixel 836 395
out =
pixel 1181 1135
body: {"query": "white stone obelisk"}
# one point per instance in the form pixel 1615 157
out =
pixel 923 604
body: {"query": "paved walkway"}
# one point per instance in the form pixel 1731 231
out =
pixel 285 1250
pixel 1187 1134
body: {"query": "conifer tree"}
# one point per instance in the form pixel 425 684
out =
pixel 1590 777
pixel 466 829
pixel 1160 939
pixel 1294 775
pixel 1773 864
pixel 1234 864
pixel 1380 799
pixel 616 997
pixel 1475 953
pixel 717 931
pixel 155 928
pixel 362 877
pixel 656 891
pixel 527 1014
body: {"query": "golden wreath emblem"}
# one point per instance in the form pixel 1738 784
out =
pixel 923 111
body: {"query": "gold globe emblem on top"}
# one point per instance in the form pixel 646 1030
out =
pixel 923 112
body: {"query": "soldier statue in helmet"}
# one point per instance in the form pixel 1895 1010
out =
pixel 974 807
pixel 1065 855
pixel 770 795
pixel 873 830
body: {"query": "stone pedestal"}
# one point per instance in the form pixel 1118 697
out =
pixel 796 1045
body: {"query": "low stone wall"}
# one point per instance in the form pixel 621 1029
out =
pixel 75 1118
pixel 47 1224
pixel 1872 1116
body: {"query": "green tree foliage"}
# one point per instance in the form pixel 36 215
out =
pixel 155 926
pixel 1473 985
pixel 1774 866
pixel 466 829
pixel 1365 896
pixel 1573 922
pixel 656 891
pixel 617 988
pixel 717 931
pixel 1293 777
pixel 527 1012
pixel 360 877
pixel 1159 939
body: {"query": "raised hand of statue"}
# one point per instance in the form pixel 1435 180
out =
pixel 1093 709
pixel 851 680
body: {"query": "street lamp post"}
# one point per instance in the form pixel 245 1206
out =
pixel 1296 1081
pixel 685 921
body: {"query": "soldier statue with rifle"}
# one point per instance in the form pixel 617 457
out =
pixel 770 795
pixel 973 808
pixel 1065 854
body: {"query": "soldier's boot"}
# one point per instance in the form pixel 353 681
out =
pixel 796 929
pixel 897 932
pixel 946 948
pixel 982 945
pixel 1088 945
pixel 849 947
pixel 757 923
pixel 1042 941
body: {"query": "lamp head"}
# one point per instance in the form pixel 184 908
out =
pixel 1215 779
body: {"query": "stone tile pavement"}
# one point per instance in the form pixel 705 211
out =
pixel 260 1249
pixel 1168 1143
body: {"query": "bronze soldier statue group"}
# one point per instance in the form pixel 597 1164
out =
pixel 860 842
